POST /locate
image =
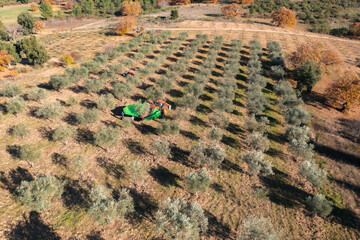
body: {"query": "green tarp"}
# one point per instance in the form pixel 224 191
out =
pixel 130 110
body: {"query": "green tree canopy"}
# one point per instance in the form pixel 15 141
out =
pixel 26 20
pixel 46 10
pixel 35 53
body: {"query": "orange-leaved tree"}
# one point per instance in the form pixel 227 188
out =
pixel 33 7
pixel 131 8
pixel 126 24
pixel 245 2
pixel 317 52
pixel 344 93
pixel 180 2
pixel 355 29
pixel 38 26
pixel 5 59
pixel 231 10
pixel 284 17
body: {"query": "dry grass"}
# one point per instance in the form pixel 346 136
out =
pixel 227 202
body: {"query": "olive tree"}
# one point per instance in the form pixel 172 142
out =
pixel 87 117
pixel 177 219
pixel 319 205
pixel 38 193
pixel 121 89
pixel 161 147
pixel 15 105
pixel 106 136
pixel 223 104
pixel 257 164
pixel 188 101
pixel 297 116
pixel 137 170
pixel 37 94
pixel 62 133
pixel 10 90
pixel 29 154
pixel 104 209
pixel 59 82
pixel 153 93
pixel 312 173
pixel 260 125
pixel 258 228
pixel 215 134
pixel 105 101
pixel 20 130
pixel 50 111
pixel 219 119
pixel 93 85
pixel 198 181
pixel 168 127
pixel 257 141
pixel 208 155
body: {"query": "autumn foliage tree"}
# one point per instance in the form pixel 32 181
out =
pixel 131 8
pixel 126 24
pixel 284 17
pixel 245 2
pixel 355 29
pixel 231 10
pixel 180 2
pixel 33 7
pixel 38 26
pixel 5 59
pixel 317 52
pixel 345 92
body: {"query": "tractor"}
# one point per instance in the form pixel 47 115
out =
pixel 158 109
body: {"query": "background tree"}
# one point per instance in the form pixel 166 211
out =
pixel 174 14
pixel 10 48
pixel 245 2
pixel 231 10
pixel 307 75
pixel 344 92
pixel 284 17
pixel 180 2
pixel 35 53
pixel 46 10
pixel 39 193
pixel 130 8
pixel 104 209
pixel 257 228
pixel 33 7
pixel 126 24
pixel 178 219
pixel 26 20
pixel 319 205
pixel 87 7
pixel 3 33
pixel 354 29
pixel 198 181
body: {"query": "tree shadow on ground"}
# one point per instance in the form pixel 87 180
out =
pixel 134 147
pixel 203 109
pixel 230 141
pixel 345 217
pixel 84 135
pixel 146 129
pixel 31 227
pixel 13 150
pixel 75 194
pixel 282 193
pixel 94 235
pixel 70 118
pixel 229 166
pixel 189 135
pixel 351 187
pixel 235 129
pixel 144 205
pixel 218 229
pixel 217 187
pixel 348 127
pixel 197 121
pixel 338 155
pixel 176 93
pixel 59 159
pixel 14 178
pixel 46 132
pixel 111 168
pixel 181 156
pixel 164 177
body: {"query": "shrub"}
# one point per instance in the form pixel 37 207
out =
pixel 307 75
pixel 174 14
pixel 37 94
pixel 215 134
pixel 153 93
pixel 257 165
pixel 92 67
pixel 62 133
pixel 35 53
pixel 162 147
pixel 26 20
pixel 87 117
pixel 104 209
pixel 257 228
pixel 71 101
pixel 168 127
pixel 106 136
pixel 10 90
pixel 297 116
pixel 15 105
pixel 38 193
pixel 29 154
pixel 20 130
pixel 313 174
pixel 219 119
pixel 121 90
pixel 178 219
pixel 137 170
pixel 319 205
pixel 258 125
pixel 46 10
pixel 198 181
pixel 258 141
pixel 101 59
pixel 3 32
pixel 105 101
pixel 211 155
pixel 58 82
pixel 284 17
pixel 50 111
pixel 277 72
